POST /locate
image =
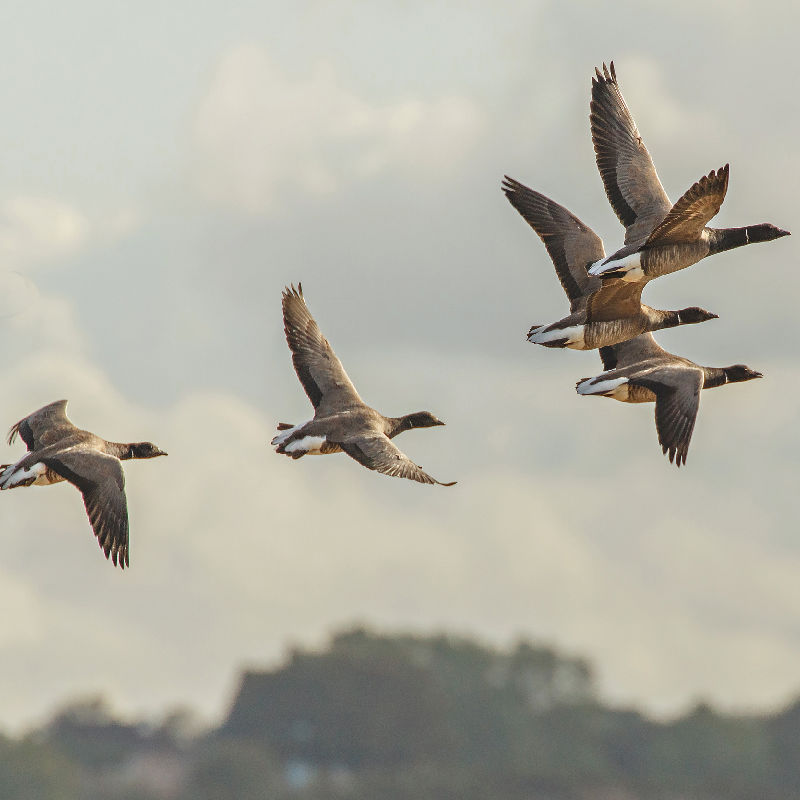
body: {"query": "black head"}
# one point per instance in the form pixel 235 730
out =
pixel 740 372
pixel 421 419
pixel 688 316
pixel 765 232
pixel 145 450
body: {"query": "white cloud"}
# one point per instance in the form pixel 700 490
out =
pixel 260 133
pixel 16 294
pixel 35 230
pixel 24 620
pixel 43 329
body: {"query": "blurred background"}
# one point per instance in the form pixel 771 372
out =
pixel 167 169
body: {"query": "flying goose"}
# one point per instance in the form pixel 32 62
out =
pixel 342 421
pixel 58 451
pixel 602 313
pixel 639 371
pixel 659 237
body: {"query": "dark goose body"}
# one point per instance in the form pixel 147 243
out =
pixel 59 451
pixel 639 371
pixel 660 237
pixel 603 313
pixel 342 421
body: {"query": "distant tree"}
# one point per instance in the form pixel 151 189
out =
pixel 180 726
pixel 87 732
pixel 229 770
pixel 546 679
pixel 783 731
pixel 410 718
pixel 719 754
pixel 33 770
pixel 373 700
pixel 353 707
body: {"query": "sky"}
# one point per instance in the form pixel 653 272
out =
pixel 166 169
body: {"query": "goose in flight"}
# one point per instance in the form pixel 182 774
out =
pixel 660 237
pixel 341 421
pixel 639 371
pixel 602 313
pixel 58 451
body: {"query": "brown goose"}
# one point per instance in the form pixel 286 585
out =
pixel 342 421
pixel 58 451
pixel 639 371
pixel 660 237
pixel 602 313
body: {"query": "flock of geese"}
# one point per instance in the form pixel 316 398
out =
pixel 605 292
pixel 606 312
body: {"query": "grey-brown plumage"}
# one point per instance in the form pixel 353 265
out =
pixel 629 175
pixel 660 238
pixel 59 451
pixel 342 421
pixel 601 313
pixel 639 371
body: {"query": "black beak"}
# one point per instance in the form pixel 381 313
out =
pixel 783 233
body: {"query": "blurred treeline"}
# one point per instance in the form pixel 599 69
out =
pixel 410 718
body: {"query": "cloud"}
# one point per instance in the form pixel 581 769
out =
pixel 16 293
pixel 38 230
pixel 260 134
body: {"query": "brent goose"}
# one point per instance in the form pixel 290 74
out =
pixel 58 451
pixel 602 313
pixel 342 421
pixel 639 371
pixel 660 237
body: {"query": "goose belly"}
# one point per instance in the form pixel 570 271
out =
pixel 670 258
pixel 611 332
pixel 640 394
pixel 629 267
pixel 618 388
pixel 572 336
pixel 35 475
pixel 307 446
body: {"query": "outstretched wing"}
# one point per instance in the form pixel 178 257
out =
pixel 628 172
pixel 319 370
pixel 694 210
pixel 641 348
pixel 47 425
pixel 100 480
pixel 677 393
pixel 378 452
pixel 615 299
pixel 571 244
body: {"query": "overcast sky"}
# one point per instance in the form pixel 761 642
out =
pixel 165 171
